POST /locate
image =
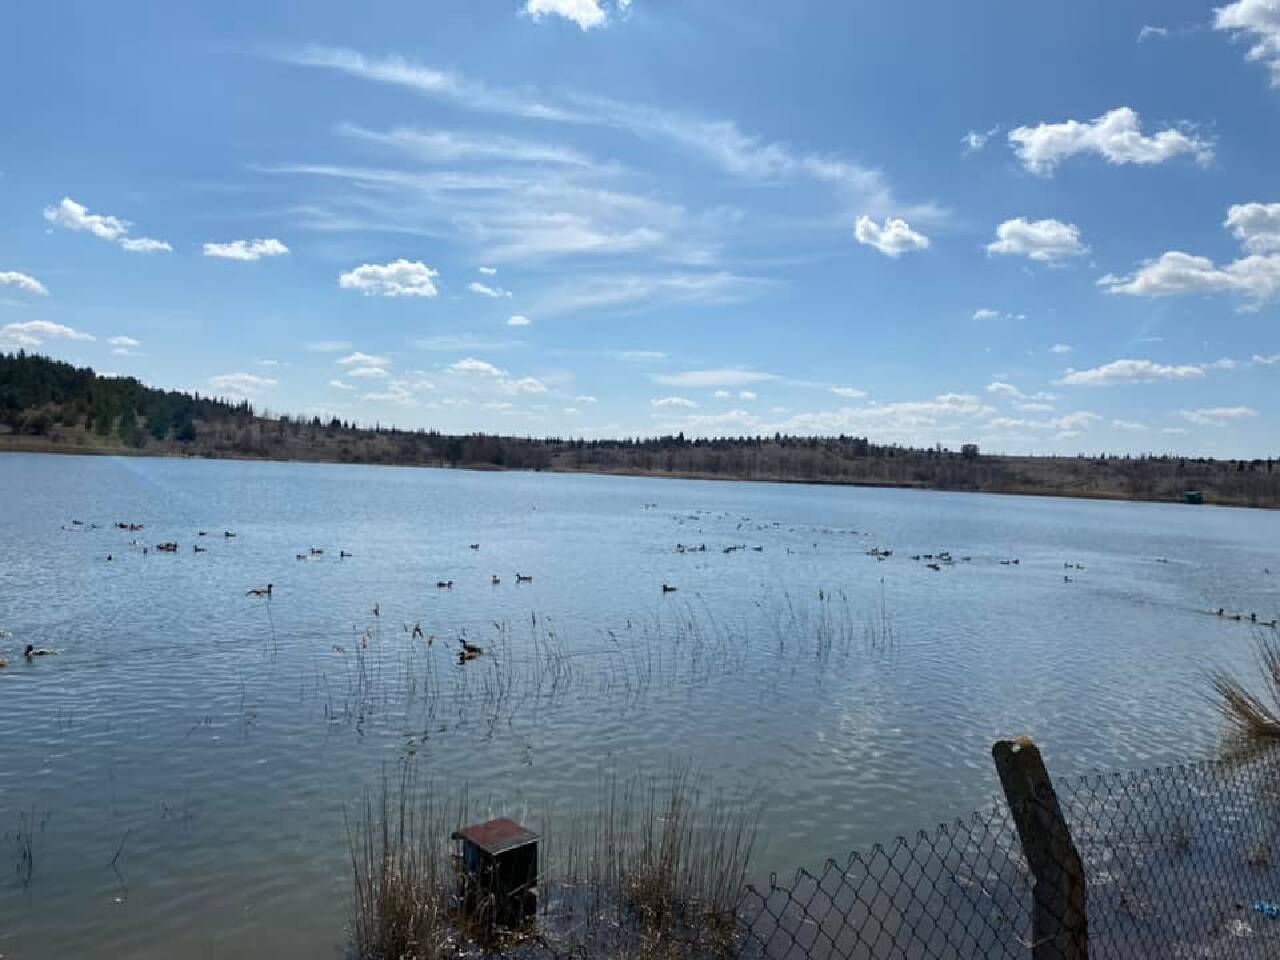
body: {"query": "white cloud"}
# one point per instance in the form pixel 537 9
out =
pixel 145 245
pixel 986 313
pixel 470 365
pixel 518 320
pixel 976 140
pixel 1132 371
pixel 1074 421
pixel 359 359
pixel 522 385
pixel 674 402
pixel 1177 431
pixel 127 342
pixel 585 13
pixel 1128 425
pixel 585 398
pixel 1218 415
pixel 1060 348
pixel 747 395
pixel 893 238
pixel 1001 389
pixel 329 346
pixel 393 394
pixel 722 394
pixel 400 278
pixel 488 271
pixel 1255 277
pixel 1270 360
pixel 241 384
pixel 367 373
pixel 487 291
pixel 32 333
pixel 1116 136
pixel 1034 406
pixel 1044 240
pixel 849 393
pixel 1259 21
pixel 1148 32
pixel 713 378
pixel 75 216
pixel 1256 226
pixel 246 249
pixel 25 283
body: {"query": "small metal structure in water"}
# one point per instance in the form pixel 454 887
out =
pixel 499 860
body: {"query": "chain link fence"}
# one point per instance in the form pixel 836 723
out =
pixel 1170 862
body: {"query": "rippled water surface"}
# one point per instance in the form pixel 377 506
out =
pixel 173 782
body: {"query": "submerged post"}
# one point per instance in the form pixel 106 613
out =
pixel 1059 924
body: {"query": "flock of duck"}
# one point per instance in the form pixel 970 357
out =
pixel 1251 618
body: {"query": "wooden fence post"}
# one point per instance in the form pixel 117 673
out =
pixel 1060 924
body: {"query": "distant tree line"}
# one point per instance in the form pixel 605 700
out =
pixel 49 404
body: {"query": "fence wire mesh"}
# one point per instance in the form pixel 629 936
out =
pixel 1177 862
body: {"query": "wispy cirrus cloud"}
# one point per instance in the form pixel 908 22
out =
pixel 1217 416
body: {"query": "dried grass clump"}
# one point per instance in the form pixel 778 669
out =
pixel 1252 719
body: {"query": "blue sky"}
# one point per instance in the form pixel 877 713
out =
pixel 1044 228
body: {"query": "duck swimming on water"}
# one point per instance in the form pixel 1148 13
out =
pixel 260 591
pixel 34 651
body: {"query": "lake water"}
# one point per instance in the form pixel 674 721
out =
pixel 179 772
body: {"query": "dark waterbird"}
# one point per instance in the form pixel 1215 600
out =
pixel 261 591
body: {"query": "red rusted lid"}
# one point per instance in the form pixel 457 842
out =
pixel 496 836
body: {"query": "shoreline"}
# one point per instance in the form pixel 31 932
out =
pixel 39 446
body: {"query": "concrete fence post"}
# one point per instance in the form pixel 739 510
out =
pixel 1060 924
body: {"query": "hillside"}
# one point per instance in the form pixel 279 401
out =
pixel 51 406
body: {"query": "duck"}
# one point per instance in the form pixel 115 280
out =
pixel 521 578
pixel 667 588
pixel 475 546
pixel 300 556
pixel 417 631
pixel 469 651
pixel 228 534
pixel 1222 612
pixel 196 548
pixel 202 533
pixel 342 554
pixel 315 551
pixel 934 566
pixel 444 584
pixel 1066 579
pixel 261 591
pixel 377 609
pixel 34 651
pixel 495 580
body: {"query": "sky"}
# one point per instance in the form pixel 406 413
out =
pixel 1040 227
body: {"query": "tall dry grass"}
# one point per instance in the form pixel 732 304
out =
pixel 654 872
pixel 1252 719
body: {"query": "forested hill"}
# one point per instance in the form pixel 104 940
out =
pixel 51 406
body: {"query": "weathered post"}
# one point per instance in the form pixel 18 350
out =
pixel 1059 924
